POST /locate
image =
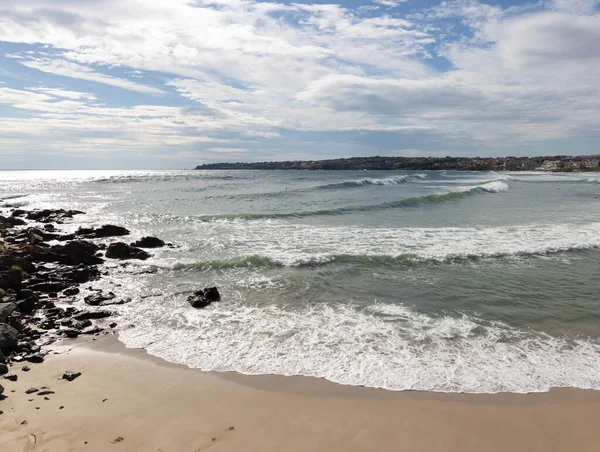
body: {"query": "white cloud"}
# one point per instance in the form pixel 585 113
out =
pixel 252 71
pixel 74 70
pixel 390 3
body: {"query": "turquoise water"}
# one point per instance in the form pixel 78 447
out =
pixel 439 281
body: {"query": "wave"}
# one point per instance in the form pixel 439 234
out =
pixel 396 180
pixel 363 260
pixel 419 201
pixel 389 346
pixel 129 179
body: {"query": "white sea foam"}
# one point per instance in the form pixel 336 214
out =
pixel 384 346
pixel 296 244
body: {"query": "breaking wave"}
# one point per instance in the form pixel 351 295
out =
pixel 396 180
pixel 419 201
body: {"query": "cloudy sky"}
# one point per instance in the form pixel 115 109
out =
pixel 175 83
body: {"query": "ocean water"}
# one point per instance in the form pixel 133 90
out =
pixel 436 281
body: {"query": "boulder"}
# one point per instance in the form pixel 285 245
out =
pixel 9 337
pixel 28 305
pixel 97 299
pixel 108 230
pixel 3 369
pixel 149 242
pixel 11 279
pixel 46 287
pixel 10 377
pixel 6 311
pixel 77 252
pixel 70 376
pixel 121 250
pixel 71 291
pixel 202 298
pixel 86 315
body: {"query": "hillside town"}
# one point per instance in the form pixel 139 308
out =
pixel 542 163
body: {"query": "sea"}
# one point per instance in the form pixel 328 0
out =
pixel 474 282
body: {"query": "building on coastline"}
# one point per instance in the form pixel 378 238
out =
pixel 550 165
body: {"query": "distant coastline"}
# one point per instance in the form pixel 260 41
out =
pixel 541 163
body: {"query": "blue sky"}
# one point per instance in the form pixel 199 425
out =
pixel 172 84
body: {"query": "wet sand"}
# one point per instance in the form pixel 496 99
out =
pixel 127 400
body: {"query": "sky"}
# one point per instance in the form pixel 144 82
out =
pixel 176 83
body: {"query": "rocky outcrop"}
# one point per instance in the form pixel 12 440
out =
pixel 202 298
pixel 108 230
pixel 121 250
pixel 149 242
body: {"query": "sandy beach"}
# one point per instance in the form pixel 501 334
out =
pixel 127 400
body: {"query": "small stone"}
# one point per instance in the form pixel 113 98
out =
pixel 25 368
pixel 31 390
pixel 60 407
pixel 70 376
pixel 24 423
pixel 45 393
pixel 11 377
pixel 46 398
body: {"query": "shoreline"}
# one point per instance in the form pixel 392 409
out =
pixel 128 399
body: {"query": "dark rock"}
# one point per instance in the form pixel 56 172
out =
pixel 71 291
pixel 51 215
pixel 86 315
pixel 121 250
pixel 70 332
pixel 92 330
pixel 149 242
pixel 82 274
pixel 11 279
pixel 9 337
pixel 45 392
pixel 212 294
pixel 11 377
pixel 31 390
pixel 203 298
pixel 77 252
pixel 116 302
pixel 49 227
pixel 18 213
pixel 70 376
pixel 108 230
pixel 113 325
pixel 6 311
pixel 96 299
pixel 28 305
pixel 53 295
pixel 47 287
pixel 3 369
pixel 35 358
pixel 1 389
pixel 25 368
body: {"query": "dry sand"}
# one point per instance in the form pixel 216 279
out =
pixel 126 400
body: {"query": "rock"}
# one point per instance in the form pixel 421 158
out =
pixel 28 305
pixel 92 330
pixel 121 250
pixel 6 311
pixel 77 252
pixel 203 298
pixel 1 389
pixel 149 242
pixel 31 390
pixel 11 279
pixel 108 230
pixel 86 315
pixel 212 294
pixel 71 332
pixel 25 368
pixel 35 358
pixel 96 299
pixel 47 287
pixel 11 377
pixel 9 337
pixel 51 215
pixel 70 376
pixel 45 392
pixel 3 369
pixel 71 291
